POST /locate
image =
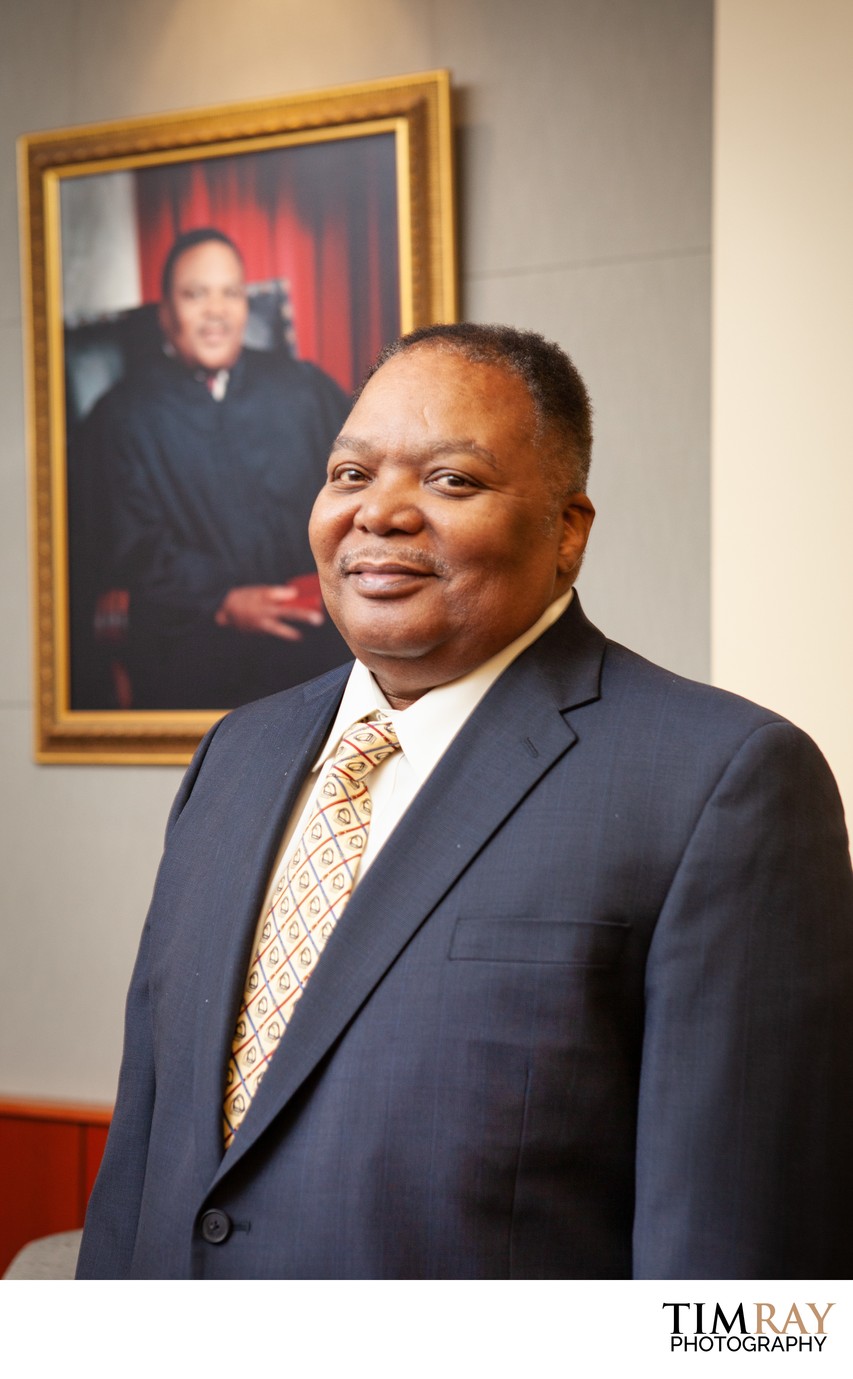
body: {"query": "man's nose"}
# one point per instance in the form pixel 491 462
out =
pixel 390 505
pixel 216 305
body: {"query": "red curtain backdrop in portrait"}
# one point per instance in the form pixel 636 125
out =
pixel 323 216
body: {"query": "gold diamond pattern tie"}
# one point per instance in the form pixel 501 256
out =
pixel 309 899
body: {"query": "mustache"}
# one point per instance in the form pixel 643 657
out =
pixel 398 555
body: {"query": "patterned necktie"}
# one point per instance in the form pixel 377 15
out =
pixel 309 899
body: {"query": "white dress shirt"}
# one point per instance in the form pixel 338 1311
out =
pixel 425 730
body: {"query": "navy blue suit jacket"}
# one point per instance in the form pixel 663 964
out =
pixel 589 1013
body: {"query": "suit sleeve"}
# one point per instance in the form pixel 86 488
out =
pixel 745 1134
pixel 109 1236
pixel 111 1219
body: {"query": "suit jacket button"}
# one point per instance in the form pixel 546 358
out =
pixel 216 1227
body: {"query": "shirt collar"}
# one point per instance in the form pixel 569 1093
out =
pixel 428 726
pixel 215 380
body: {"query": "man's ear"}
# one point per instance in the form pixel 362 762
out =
pixel 164 319
pixel 576 519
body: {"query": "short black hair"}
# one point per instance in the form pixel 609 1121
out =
pixel 558 393
pixel 204 235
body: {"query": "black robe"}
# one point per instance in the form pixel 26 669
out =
pixel 178 498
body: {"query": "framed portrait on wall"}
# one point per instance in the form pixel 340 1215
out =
pixel 204 292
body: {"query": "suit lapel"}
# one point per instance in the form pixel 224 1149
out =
pixel 249 831
pixel 515 735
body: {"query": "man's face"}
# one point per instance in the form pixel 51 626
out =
pixel 437 536
pixel 204 316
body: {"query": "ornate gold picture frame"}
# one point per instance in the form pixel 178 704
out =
pixel 343 206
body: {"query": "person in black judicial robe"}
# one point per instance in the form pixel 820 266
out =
pixel 196 474
pixel 204 496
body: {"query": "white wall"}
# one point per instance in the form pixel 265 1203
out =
pixel 96 210
pixel 584 190
pixel 782 555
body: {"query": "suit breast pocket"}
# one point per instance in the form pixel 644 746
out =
pixel 519 938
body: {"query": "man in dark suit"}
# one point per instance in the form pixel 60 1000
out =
pixel 588 1010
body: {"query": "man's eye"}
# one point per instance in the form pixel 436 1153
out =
pixel 348 475
pixel 449 482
